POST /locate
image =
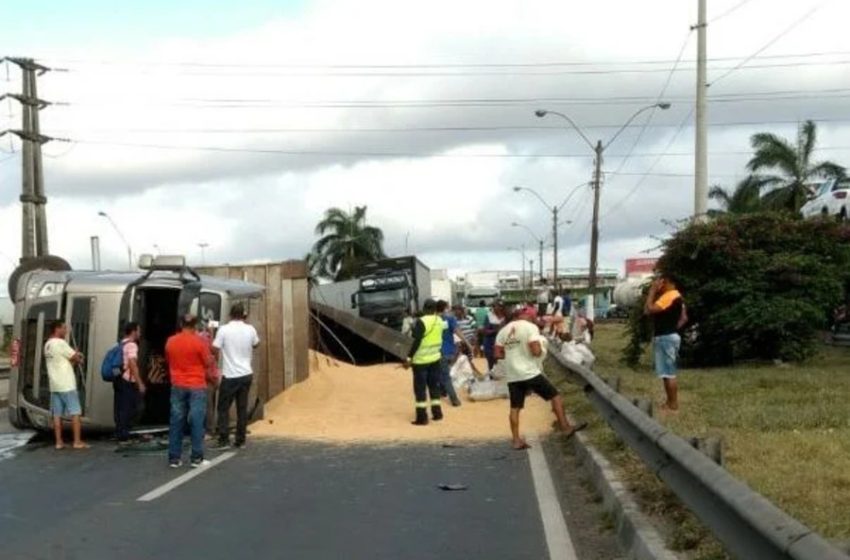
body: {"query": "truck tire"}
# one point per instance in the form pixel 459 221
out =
pixel 47 262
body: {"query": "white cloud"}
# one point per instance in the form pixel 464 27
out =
pixel 454 209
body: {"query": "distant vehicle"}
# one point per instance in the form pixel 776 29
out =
pixel 480 286
pixel 442 290
pixel 830 199
pixel 617 312
pixel 96 306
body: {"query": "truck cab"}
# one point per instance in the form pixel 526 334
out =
pixel 385 296
pixel 96 306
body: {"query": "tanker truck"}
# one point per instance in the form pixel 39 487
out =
pixel 627 294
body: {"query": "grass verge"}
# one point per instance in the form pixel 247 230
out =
pixel 786 430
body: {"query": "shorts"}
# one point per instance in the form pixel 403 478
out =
pixel 666 351
pixel 539 384
pixel 66 403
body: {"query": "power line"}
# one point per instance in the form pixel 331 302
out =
pixel 640 181
pixel 465 73
pixel 658 100
pixel 417 129
pixel 404 66
pixel 835 93
pixel 769 44
pixel 323 153
pixel 730 11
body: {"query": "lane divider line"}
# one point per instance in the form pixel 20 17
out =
pixel 558 539
pixel 184 478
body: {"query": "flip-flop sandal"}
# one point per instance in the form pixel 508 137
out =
pixel 59 447
pixel 82 446
pixel 575 429
pixel 523 447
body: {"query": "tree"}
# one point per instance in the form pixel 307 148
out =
pixel 745 199
pixel 757 286
pixel 792 167
pixel 346 243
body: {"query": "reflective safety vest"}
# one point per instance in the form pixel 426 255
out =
pixel 432 341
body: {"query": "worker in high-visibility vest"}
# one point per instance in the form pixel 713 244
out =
pixel 425 358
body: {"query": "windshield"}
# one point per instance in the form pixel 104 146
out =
pixel 383 298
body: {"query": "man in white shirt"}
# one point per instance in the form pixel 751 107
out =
pixel 234 344
pixel 64 400
pixel 520 346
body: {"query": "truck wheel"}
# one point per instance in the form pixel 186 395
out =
pixel 47 262
pixel 842 216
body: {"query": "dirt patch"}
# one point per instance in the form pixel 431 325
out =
pixel 344 403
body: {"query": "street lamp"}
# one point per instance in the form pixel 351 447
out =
pixel 539 241
pixel 598 150
pixel 203 245
pixel 103 214
pixel 554 209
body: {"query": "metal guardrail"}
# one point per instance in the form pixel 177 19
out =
pixel 749 525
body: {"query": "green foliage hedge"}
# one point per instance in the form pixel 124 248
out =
pixel 757 286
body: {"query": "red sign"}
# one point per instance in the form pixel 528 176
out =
pixel 15 353
pixel 637 267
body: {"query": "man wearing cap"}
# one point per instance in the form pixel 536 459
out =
pixel 190 365
pixel 425 356
pixel 522 348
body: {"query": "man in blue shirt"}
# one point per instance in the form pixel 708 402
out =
pixel 448 351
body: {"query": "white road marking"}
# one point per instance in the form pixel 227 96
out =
pixel 554 527
pixel 10 442
pixel 183 479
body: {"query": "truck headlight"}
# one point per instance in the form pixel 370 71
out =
pixel 50 289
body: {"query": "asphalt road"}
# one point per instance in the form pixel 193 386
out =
pixel 279 499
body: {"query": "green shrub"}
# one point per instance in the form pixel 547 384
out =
pixel 757 286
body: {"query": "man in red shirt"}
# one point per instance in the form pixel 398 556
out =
pixel 189 364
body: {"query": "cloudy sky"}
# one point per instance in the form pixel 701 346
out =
pixel 238 124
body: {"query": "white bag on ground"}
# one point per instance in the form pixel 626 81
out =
pixel 578 354
pixel 498 371
pixel 487 390
pixel 461 372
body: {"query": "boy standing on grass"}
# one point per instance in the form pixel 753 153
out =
pixel 64 400
pixel 665 305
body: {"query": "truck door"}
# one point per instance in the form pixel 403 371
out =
pixel 43 304
pixel 81 329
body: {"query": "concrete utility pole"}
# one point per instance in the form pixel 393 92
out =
pixel 203 247
pixel 555 278
pixel 34 217
pixel 594 232
pixel 701 140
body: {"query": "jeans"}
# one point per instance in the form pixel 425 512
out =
pixel 446 379
pixel 191 403
pixel 125 406
pixel 426 379
pixel 236 388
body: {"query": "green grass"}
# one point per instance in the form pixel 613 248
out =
pixel 786 431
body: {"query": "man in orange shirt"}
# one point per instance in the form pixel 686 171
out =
pixel 665 305
pixel 189 363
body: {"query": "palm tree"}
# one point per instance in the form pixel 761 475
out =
pixel 793 167
pixel 745 199
pixel 346 243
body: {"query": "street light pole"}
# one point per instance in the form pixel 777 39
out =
pixel 598 150
pixel 539 242
pixel 203 247
pixel 103 214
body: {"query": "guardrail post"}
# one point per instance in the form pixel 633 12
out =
pixel 711 447
pixel 644 405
